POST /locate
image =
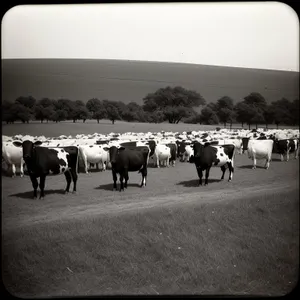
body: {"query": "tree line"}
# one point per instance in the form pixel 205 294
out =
pixel 172 104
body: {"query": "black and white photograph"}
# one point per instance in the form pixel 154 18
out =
pixel 150 149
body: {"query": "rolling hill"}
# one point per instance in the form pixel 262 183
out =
pixel 121 80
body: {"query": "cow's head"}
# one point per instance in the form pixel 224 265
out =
pixel 198 148
pixel 113 153
pixel 245 142
pixel 28 148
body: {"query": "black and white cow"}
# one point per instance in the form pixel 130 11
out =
pixel 285 147
pixel 207 156
pixel 43 161
pixel 128 159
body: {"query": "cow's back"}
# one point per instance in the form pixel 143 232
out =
pixel 133 158
pixel 260 149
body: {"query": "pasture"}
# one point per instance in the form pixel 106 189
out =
pixel 171 237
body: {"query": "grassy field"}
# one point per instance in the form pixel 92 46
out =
pixel 120 80
pixel 105 127
pixel 171 237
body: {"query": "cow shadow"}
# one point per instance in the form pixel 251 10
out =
pixel 109 187
pixel 195 182
pixel 275 159
pixel 251 166
pixel 29 194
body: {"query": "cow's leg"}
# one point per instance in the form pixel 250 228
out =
pixel 173 163
pixel 267 165
pixel 144 176
pixel 254 162
pixel 35 185
pixel 121 181
pixel 13 168
pixel 42 186
pixel 199 171
pixel 157 162
pixel 287 155
pixel 103 165
pixel 74 177
pixel 206 175
pixel 68 178
pixel 86 165
pixel 281 157
pixel 21 168
pixel 231 170
pixel 114 174
pixel 223 169
pixel 126 177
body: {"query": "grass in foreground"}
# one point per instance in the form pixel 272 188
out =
pixel 235 247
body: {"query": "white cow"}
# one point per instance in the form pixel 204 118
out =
pixel 258 149
pixel 160 154
pixel 13 156
pixel 94 154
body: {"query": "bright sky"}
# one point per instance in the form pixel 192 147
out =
pixel 262 35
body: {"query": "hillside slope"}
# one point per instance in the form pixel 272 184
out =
pixel 83 79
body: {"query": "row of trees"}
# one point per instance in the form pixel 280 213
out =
pixel 253 109
pixel 172 104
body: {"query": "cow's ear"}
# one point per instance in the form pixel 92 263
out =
pixel 38 143
pixel 105 148
pixel 17 144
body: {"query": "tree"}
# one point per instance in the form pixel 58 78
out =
pixel 79 111
pixel 21 112
pixel 44 109
pixel 7 113
pixel 100 114
pixel 58 115
pixel 67 106
pixel 93 105
pixel 112 111
pixel 244 113
pixel 225 115
pixel 129 116
pixel 225 102
pixel 28 102
pixel 257 101
pixel 268 115
pixel 208 116
pixel 175 103
pixel 258 118
pixel 155 117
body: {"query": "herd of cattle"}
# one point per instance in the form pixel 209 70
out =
pixel 130 152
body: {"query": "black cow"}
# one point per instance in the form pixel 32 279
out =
pixel 206 156
pixel 43 161
pixel 285 147
pixel 128 159
pixel 173 149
